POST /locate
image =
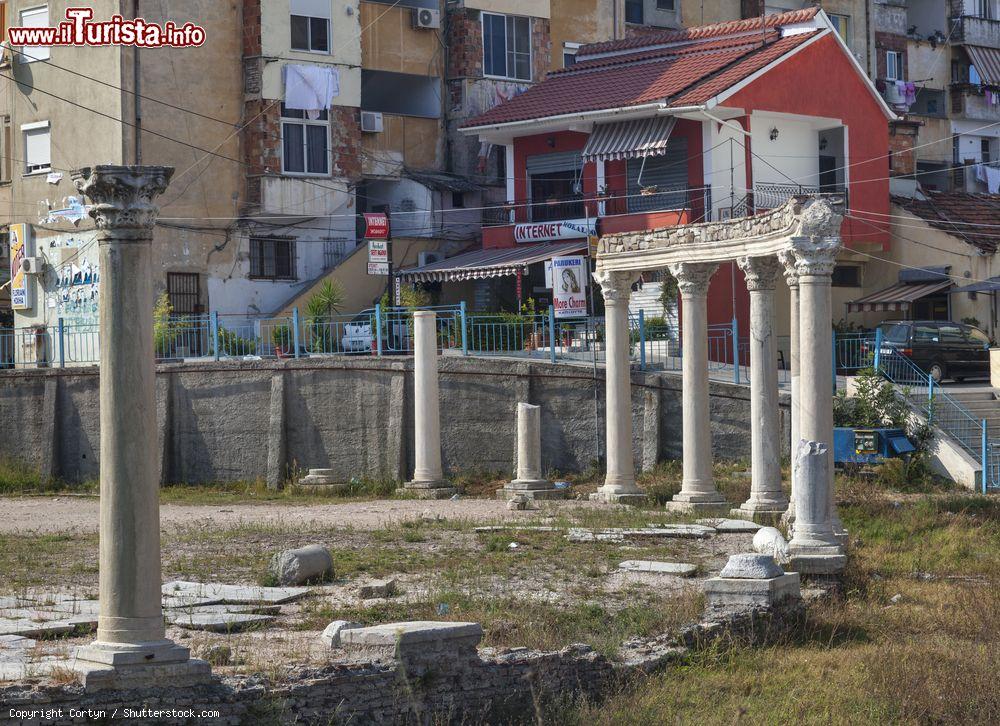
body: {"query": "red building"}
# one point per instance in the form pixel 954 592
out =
pixel 684 126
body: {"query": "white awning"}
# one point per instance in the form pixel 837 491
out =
pixel 482 264
pixel 633 139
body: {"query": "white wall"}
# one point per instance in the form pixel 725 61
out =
pixel 794 155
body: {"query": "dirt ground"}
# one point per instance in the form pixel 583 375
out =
pixel 79 514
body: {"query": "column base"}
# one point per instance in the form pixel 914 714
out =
pixel 817 563
pixel 428 489
pixel 768 512
pixel 698 502
pixel 538 493
pixel 122 666
pixel 632 496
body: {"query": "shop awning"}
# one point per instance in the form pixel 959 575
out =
pixel 987 63
pixel 629 139
pixel 991 285
pixel 897 298
pixel 481 264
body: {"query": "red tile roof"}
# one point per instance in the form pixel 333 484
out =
pixel 700 32
pixel 970 217
pixel 677 76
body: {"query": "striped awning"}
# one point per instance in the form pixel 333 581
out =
pixel 897 298
pixel 987 63
pixel 629 139
pixel 481 264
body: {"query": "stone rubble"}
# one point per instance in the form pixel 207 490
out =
pixel 679 569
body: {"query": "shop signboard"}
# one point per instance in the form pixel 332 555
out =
pixel 569 290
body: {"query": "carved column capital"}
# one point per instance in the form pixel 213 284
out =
pixel 761 272
pixel 123 196
pixel 693 277
pixel 616 285
pixel 815 255
pixel 787 260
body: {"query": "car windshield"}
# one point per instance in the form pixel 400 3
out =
pixel 895 332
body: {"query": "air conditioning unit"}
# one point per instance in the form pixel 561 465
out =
pixel 31 265
pixel 371 122
pixel 426 18
pixel 426 258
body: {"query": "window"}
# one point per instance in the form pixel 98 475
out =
pixel 304 142
pixel 37 145
pixel 184 292
pixel 896 333
pixel 846 276
pixel 501 167
pixel 984 151
pixel 977 336
pixel 666 4
pixel 894 66
pixel 272 259
pixel 507 46
pixel 951 334
pixel 457 200
pixel 34 18
pixel 925 334
pixel 7 157
pixel 984 9
pixel 310 21
pixel 3 22
pixel 569 53
pixel 633 12
pixel 842 24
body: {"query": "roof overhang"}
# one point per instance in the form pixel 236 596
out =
pixel 896 298
pixel 483 264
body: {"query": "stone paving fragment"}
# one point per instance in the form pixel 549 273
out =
pixel 680 569
pixel 235 594
pixel 34 629
pixel 668 531
pixel 219 622
pixel 377 588
pixel 181 601
pixel 331 635
pixel 730 526
pixel 514 528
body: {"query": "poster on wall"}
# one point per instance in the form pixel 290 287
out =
pixel 21 285
pixel 569 286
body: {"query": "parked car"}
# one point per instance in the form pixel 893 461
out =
pixel 358 333
pixel 940 348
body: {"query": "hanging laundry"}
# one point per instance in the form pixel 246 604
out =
pixel 910 93
pixel 310 88
pixel 981 172
pixel 992 179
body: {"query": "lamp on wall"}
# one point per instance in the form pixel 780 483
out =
pixel 823 144
pixel 774 133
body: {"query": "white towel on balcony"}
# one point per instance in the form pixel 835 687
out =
pixel 311 88
pixel 992 179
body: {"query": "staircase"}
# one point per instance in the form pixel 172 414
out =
pixel 981 403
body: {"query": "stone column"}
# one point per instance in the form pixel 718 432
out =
pixel 428 479
pixel 131 647
pixel 815 548
pixel 529 482
pixel 619 483
pixel 766 496
pixel 792 280
pixel 698 492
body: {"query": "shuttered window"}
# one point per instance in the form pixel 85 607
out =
pixel 668 173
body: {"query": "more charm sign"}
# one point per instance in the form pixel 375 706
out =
pixel 548 231
pixel 569 286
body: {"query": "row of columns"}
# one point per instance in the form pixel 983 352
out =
pixel 807 265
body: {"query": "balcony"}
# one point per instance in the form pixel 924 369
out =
pixel 970 103
pixel 973 30
pixel 769 196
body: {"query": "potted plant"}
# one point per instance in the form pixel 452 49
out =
pixel 281 336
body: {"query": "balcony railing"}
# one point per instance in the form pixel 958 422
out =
pixel 769 196
pixel 614 203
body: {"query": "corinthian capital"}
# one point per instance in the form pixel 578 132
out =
pixel 815 255
pixel 761 272
pixel 616 284
pixel 693 277
pixel 122 196
pixel 787 261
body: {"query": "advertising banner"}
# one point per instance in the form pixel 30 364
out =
pixel 378 250
pixel 569 286
pixel 21 285
pixel 552 231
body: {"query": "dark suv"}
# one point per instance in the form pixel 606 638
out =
pixel 940 348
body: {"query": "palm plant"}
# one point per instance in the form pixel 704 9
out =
pixel 324 303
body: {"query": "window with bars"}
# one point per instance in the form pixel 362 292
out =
pixel 184 292
pixel 507 46
pixel 272 259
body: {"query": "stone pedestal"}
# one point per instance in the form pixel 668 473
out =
pixel 767 499
pixel 428 480
pixel 529 482
pixel 619 482
pixel 131 648
pixel 752 582
pixel 698 493
pixel 322 480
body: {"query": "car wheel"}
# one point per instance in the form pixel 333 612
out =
pixel 937 372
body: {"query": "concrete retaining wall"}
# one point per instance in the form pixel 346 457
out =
pixel 241 420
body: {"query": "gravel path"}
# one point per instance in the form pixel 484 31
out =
pixel 80 514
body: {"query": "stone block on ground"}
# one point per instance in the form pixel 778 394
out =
pixel 419 645
pixel 323 479
pixel 219 622
pixel 730 526
pixel 377 589
pixel 667 531
pixel 233 594
pixel 294 567
pixel 331 635
pixel 680 569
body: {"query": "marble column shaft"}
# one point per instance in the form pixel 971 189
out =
pixel 427 407
pixel 792 280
